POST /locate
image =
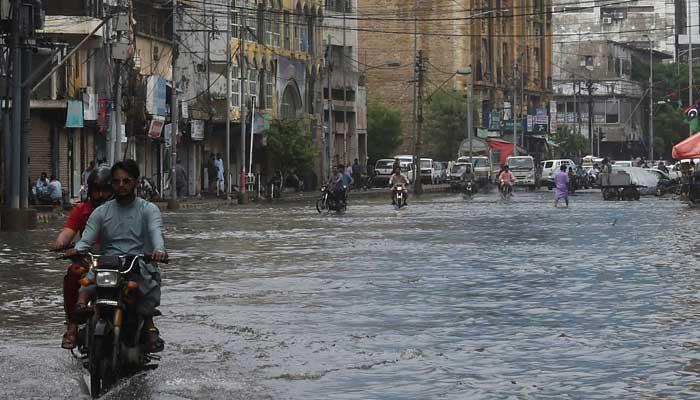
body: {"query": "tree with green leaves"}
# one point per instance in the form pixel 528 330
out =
pixel 570 143
pixel 290 146
pixel 445 123
pixel 671 97
pixel 383 131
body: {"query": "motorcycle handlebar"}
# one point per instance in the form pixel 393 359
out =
pixel 146 258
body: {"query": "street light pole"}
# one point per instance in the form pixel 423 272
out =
pixel 651 101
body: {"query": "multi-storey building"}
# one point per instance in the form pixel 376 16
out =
pixel 346 128
pixel 279 44
pixel 506 43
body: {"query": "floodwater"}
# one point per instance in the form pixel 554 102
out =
pixel 442 300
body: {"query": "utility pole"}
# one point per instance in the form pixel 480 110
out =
pixel 227 153
pixel 14 202
pixel 117 101
pixel 243 28
pixel 515 98
pixel 420 71
pixel 344 61
pixel 589 86
pixel 174 109
pixel 26 129
pixel 651 101
pixel 690 63
pixel 470 117
pixel 331 131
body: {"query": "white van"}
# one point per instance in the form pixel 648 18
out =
pixel 426 170
pixel 551 166
pixel 523 168
pixel 406 163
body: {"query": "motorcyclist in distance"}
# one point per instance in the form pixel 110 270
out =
pixel 397 178
pixel 99 190
pixel 506 179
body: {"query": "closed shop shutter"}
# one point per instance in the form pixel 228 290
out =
pixel 39 149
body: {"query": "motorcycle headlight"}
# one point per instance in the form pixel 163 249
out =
pixel 107 278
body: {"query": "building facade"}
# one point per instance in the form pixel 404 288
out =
pixel 278 44
pixel 507 44
pixel 345 126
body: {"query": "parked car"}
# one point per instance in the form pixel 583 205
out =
pixel 439 172
pixel 623 163
pixel 426 170
pixel 382 172
pixel 665 184
pixel 406 162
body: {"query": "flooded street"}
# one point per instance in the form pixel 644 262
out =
pixel 445 299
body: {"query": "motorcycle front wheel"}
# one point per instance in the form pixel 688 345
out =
pixel 97 358
pixel 320 205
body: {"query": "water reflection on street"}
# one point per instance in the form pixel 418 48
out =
pixel 444 299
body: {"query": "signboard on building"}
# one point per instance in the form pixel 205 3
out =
pixel 103 114
pixel 507 114
pixel 168 137
pixel 155 128
pixel 495 121
pixel 197 129
pixel 541 121
pixel 155 95
pixel 530 123
pixel 553 117
pixel 74 114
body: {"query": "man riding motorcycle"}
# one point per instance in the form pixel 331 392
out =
pixel 397 178
pixel 99 190
pixel 339 184
pixel 127 225
pixel 506 179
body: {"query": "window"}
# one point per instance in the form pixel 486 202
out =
pixel 286 30
pixel 589 61
pixel 275 17
pixel 267 23
pixel 235 25
pixel 612 111
pixel 235 86
pixel 251 16
pixel 297 35
pixel 269 88
pixel 252 85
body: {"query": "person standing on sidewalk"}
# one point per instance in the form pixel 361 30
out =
pixel 219 163
pixel 181 179
pixel 211 173
pixel 357 173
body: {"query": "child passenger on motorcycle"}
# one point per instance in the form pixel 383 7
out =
pixel 397 178
pixel 99 190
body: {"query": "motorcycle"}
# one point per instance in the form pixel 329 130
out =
pixel 329 202
pixel 506 191
pixel 469 190
pixel 399 196
pixel 111 342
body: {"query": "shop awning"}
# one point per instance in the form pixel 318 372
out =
pixel 689 148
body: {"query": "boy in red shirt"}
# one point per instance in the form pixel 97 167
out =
pixel 99 191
